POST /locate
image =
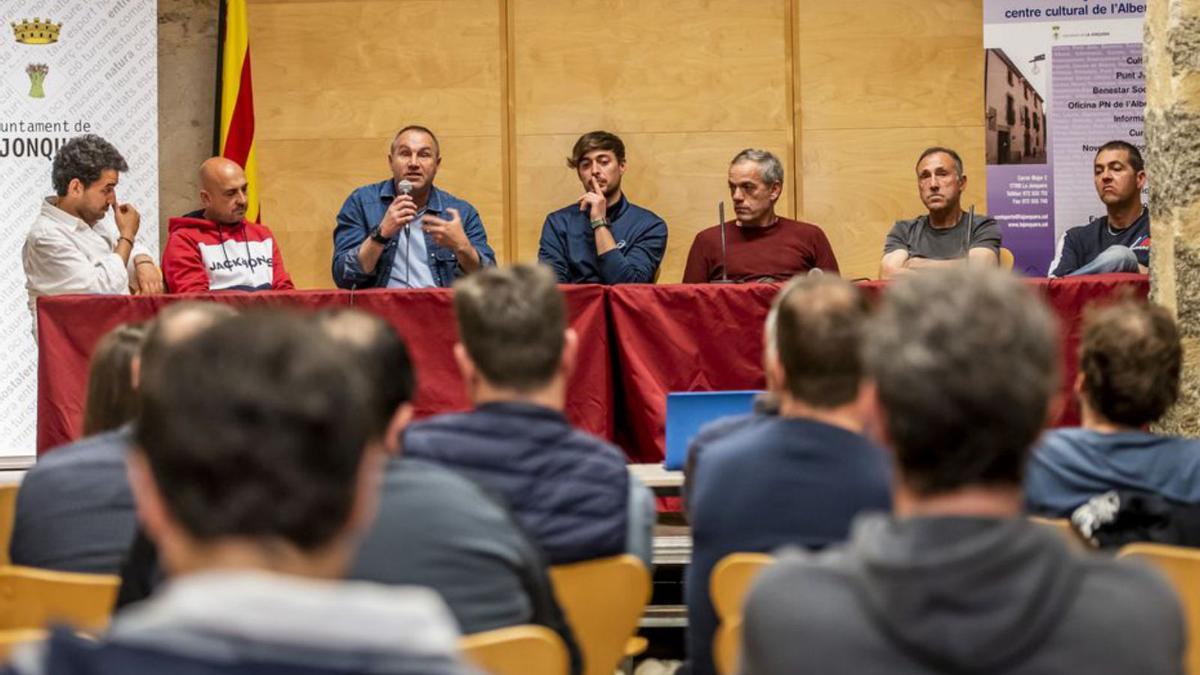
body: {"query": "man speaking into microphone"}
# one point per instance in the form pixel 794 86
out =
pixel 757 245
pixel 403 232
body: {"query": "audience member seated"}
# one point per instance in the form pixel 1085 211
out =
pixel 1118 241
pixel 74 511
pixel 111 397
pixel 798 477
pixel 765 405
pixel 964 365
pixel 758 245
pixel 255 484
pixel 570 490
pixel 435 528
pixel 1129 363
pixel 216 248
pixel 945 236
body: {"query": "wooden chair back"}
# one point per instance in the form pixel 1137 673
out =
pixel 1181 567
pixel 603 601
pixel 517 650
pixel 36 598
pixel 10 640
pixel 728 585
pixel 8 510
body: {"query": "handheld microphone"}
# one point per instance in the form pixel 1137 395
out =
pixel 405 187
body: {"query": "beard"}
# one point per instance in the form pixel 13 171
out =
pixel 91 217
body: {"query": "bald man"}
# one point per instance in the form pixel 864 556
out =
pixel 216 248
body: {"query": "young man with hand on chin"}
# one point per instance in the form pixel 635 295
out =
pixel 603 238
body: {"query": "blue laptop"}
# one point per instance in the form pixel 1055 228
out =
pixel 688 411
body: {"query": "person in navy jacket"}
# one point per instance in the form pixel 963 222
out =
pixel 1118 241
pixel 603 238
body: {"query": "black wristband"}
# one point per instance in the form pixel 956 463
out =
pixel 377 236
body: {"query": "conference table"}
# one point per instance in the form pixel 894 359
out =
pixel 636 344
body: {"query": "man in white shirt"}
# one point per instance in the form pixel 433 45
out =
pixel 68 248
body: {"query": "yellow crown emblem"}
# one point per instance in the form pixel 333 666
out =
pixel 36 32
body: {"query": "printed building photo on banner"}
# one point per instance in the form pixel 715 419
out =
pixel 66 68
pixel 1016 112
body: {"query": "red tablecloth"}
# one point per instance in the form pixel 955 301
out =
pixel 70 326
pixel 709 337
pixel 637 343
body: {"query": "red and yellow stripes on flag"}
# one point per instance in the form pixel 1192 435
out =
pixel 237 100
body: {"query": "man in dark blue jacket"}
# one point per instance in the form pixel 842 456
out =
pixel 798 477
pixel 1118 241
pixel 570 490
pixel 603 238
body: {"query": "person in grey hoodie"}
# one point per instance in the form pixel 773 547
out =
pixel 964 363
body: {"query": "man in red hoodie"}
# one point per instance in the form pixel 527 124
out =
pixel 216 248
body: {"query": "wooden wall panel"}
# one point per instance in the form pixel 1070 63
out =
pixel 899 83
pixel 685 87
pixel 876 82
pixel 847 92
pixel 334 79
pixel 858 182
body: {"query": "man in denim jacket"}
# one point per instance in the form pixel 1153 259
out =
pixel 404 232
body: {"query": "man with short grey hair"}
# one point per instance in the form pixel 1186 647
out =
pixel 758 244
pixel 964 365
pixel 71 248
pixel 946 235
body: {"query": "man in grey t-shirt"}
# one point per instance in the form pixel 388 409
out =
pixel 946 235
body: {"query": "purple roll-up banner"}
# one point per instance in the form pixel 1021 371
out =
pixel 1061 78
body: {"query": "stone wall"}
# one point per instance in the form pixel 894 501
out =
pixel 1172 53
pixel 187 63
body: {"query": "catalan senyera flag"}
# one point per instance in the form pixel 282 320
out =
pixel 236 98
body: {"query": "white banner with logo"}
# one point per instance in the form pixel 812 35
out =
pixel 66 68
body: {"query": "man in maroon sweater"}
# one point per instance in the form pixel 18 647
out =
pixel 759 245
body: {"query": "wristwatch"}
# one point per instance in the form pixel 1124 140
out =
pixel 599 223
pixel 377 236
